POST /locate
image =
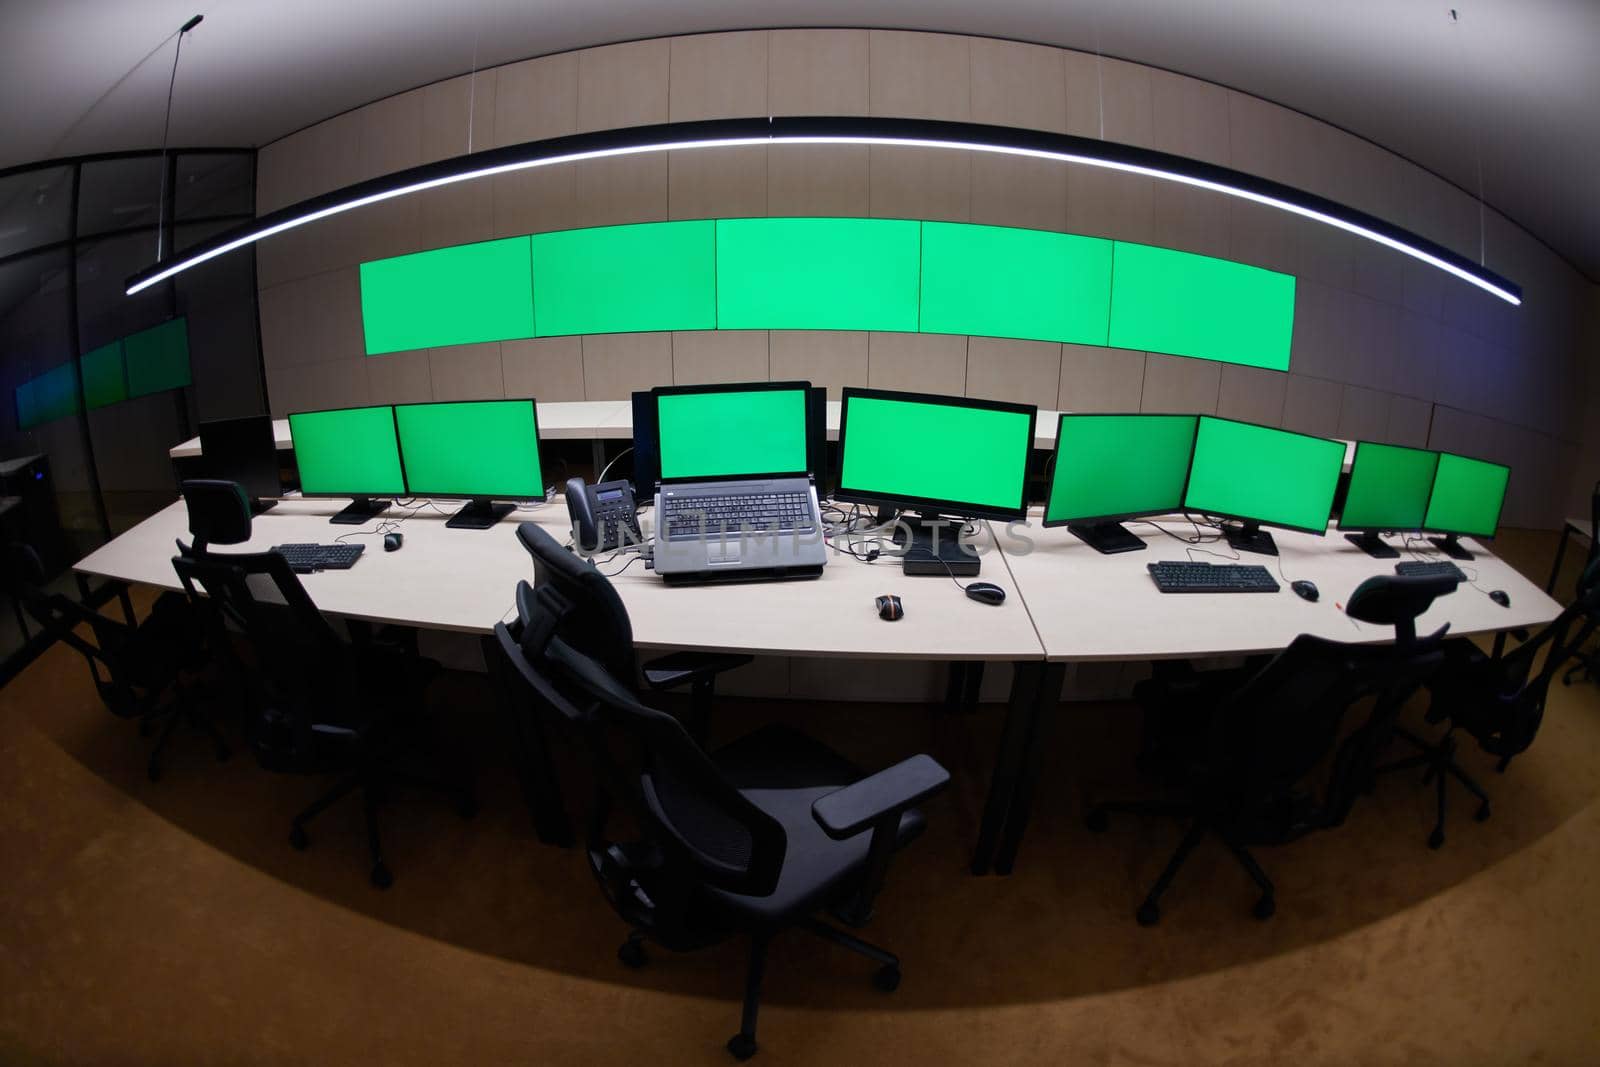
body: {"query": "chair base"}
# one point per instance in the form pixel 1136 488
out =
pixel 180 710
pixel 374 782
pixel 1587 668
pixel 1440 760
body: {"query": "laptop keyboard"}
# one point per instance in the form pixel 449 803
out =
pixel 690 517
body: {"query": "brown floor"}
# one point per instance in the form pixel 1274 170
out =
pixel 171 923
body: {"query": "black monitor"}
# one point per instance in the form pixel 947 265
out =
pixel 647 443
pixel 349 452
pixel 1388 491
pixel 1262 476
pixel 1114 467
pixel 1467 497
pixel 934 456
pixel 481 450
pixel 244 451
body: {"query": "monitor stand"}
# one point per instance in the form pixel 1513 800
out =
pixel 361 511
pixel 1452 548
pixel 1250 537
pixel 1372 545
pixel 479 515
pixel 1107 537
pixel 936 548
pixel 257 506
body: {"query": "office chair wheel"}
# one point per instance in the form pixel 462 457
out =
pixel 1265 908
pixel 887 978
pixel 381 877
pixel 1436 840
pixel 1148 914
pixel 1098 820
pixel 1482 814
pixel 298 838
pixel 742 1046
pixel 632 954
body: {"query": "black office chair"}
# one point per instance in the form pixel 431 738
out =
pixel 314 703
pixel 1588 664
pixel 1242 747
pixel 754 838
pixel 1498 700
pixel 134 665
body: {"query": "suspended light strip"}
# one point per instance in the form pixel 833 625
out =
pixel 900 133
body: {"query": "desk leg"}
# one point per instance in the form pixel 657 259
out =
pixel 1020 711
pixel 1561 551
pixel 1049 697
pixel 540 788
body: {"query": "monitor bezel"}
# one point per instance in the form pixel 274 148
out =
pixel 264 461
pixel 367 494
pixel 931 505
pixel 1355 459
pixel 1499 512
pixel 1092 520
pixel 538 447
pixel 815 457
pixel 1323 532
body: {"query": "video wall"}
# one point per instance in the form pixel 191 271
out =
pixel 150 361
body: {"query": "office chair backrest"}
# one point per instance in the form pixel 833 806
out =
pixel 219 512
pixel 576 595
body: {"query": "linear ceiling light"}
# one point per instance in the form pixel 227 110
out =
pixel 908 133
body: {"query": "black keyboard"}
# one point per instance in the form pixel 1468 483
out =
pixel 695 516
pixel 305 558
pixel 1416 568
pixel 1176 577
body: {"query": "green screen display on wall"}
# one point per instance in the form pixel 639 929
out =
pixel 996 281
pixel 157 358
pixel 103 379
pixel 52 395
pixel 817 274
pixel 625 279
pixel 1190 305
pixel 450 296
pixel 732 432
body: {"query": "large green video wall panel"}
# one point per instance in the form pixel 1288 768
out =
pixel 817 274
pixel 158 358
pixel 52 395
pixel 449 296
pixel 104 381
pixel 625 279
pixel 996 281
pixel 1190 305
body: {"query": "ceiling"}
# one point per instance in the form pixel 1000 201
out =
pixel 1513 84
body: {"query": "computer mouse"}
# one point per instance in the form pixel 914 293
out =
pixel 392 541
pixel 1499 597
pixel 889 608
pixel 1306 590
pixel 986 593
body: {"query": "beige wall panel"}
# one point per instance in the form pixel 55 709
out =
pixel 286 256
pixel 467 372
pixel 829 358
pixel 341 383
pixel 1263 236
pixel 334 151
pixel 285 323
pixel 534 201
pixel 1189 117
pixel 1408 422
pixel 1192 220
pixel 1023 372
pixel 448 106
pixel 378 231
pixel 919 75
pixel 545 368
pixel 1129 113
pixel 400 378
pixel 1176 384
pixel 921 183
pixel 1101 203
pixel 1252 395
pixel 1322 330
pixel 1016 84
pixel 1422 289
pixel 718 75
pixel 391 135
pixel 615 191
pixel 1009 191
pixel 333 326
pixel 1364 414
pixel 817 72
pixel 704 357
pixel 457 214
pixel 1441 212
pixel 623 85
pixel 917 362
pixel 1311 405
pixel 717 183
pixel 614 365
pixel 1378 272
pixel 282 173
pixel 1264 140
pixel 1100 379
pixel 536 99
pixel 1083 75
pixel 818 180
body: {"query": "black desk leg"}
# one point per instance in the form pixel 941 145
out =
pixel 1020 710
pixel 962 685
pixel 1049 697
pixel 540 788
pixel 1561 551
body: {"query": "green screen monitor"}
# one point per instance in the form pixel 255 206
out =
pixel 157 358
pixel 935 455
pixel 757 429
pixel 350 452
pixel 1113 467
pixel 1466 500
pixel 1259 475
pixel 1389 486
pixel 482 450
pixel 461 295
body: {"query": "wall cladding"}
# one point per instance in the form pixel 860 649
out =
pixel 1383 347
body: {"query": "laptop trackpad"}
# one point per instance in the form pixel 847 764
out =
pixel 722 553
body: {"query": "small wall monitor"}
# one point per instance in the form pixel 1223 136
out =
pixel 349 452
pixel 1259 476
pixel 935 456
pixel 1388 491
pixel 244 451
pixel 1114 467
pixel 1466 500
pixel 482 450
pixel 749 430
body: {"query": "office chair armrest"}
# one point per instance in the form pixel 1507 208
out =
pixel 846 812
pixel 685 668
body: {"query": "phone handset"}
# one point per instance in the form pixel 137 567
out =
pixel 604 516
